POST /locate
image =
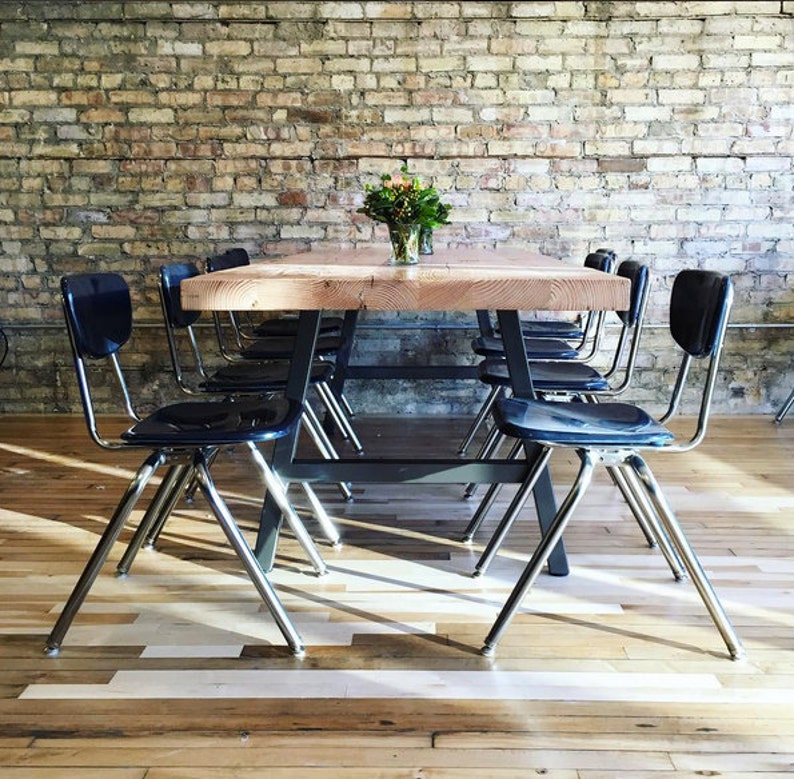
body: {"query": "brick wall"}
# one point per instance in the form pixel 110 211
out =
pixel 137 133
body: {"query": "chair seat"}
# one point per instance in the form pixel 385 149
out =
pixel 283 347
pixel 288 325
pixel 199 424
pixel 547 376
pixel 260 377
pixel 590 425
pixel 540 328
pixel 537 348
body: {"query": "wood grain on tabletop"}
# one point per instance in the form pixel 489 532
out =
pixel 450 279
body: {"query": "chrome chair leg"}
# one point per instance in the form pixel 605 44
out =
pixel 485 505
pixel 541 553
pixel 485 409
pixel 321 515
pixel 276 489
pixel 652 523
pixel 349 410
pixel 488 500
pixel 784 409
pixel 519 499
pixel 247 558
pixel 168 507
pixel 339 416
pixel 171 487
pixel 688 557
pixel 192 487
pixel 620 481
pixel 489 447
pixel 320 438
pixel 103 547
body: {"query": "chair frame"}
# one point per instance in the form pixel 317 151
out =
pixel 631 330
pixel 629 460
pixel 177 320
pixel 338 408
pixel 187 459
pixel 595 321
pixel 785 408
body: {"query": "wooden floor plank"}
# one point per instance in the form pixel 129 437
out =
pixel 613 671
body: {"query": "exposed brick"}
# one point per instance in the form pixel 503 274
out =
pixel 151 116
pixel 135 131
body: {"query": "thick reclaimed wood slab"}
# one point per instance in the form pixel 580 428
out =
pixel 462 279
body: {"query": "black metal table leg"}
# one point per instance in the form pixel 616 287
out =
pixel 441 470
pixel 521 382
pixel 284 448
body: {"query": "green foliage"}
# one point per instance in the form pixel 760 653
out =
pixel 404 200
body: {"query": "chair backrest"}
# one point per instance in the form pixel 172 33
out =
pixel 609 252
pixel 631 319
pixel 98 313
pixel 170 278
pixel 231 258
pixel 640 279
pixel 177 319
pixel 700 303
pixel 603 260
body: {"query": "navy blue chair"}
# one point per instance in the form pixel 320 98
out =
pixel 182 436
pixel 245 377
pixel 580 379
pixel 542 344
pixel 280 326
pixel 565 329
pixel 577 381
pixel 253 341
pixel 614 434
pixel 274 339
pixel 240 378
pixel 542 341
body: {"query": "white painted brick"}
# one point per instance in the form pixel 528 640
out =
pixel 647 148
pixel 768 164
pixel 773 59
pixel 681 96
pixel 675 61
pixel 719 165
pixel 647 113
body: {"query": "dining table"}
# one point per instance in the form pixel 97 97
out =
pixel 506 280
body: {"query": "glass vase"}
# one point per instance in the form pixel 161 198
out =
pixel 426 240
pixel 404 244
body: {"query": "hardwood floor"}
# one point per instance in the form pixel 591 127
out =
pixel 613 671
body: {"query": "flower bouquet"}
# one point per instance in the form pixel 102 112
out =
pixel 407 207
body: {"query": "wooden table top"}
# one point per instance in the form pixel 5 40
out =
pixel 451 279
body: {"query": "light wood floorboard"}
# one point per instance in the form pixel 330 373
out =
pixel 614 671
